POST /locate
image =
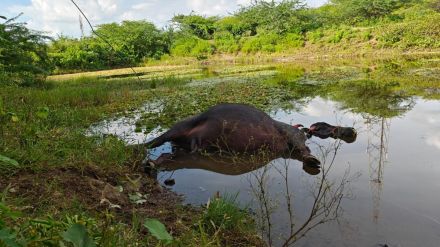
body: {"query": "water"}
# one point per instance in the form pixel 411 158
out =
pixel 381 189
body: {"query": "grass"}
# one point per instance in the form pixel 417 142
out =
pixel 223 213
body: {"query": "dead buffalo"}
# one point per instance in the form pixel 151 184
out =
pixel 240 128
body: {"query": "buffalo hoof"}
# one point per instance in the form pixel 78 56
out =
pixel 311 161
pixel 311 170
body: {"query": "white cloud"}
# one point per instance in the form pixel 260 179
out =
pixel 434 140
pixel 319 107
pixel 61 16
pixel 211 7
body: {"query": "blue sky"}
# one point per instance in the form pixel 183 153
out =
pixel 60 16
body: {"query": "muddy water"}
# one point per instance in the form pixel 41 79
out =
pixel 381 189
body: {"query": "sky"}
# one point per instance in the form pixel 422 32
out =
pixel 61 17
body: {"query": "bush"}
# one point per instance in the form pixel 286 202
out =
pixel 274 16
pixel 353 11
pixel 233 25
pixel 197 25
pixel 191 46
pixel 315 36
pixel 262 42
pixel 423 33
pixel 23 54
pixel 336 37
pixel 291 40
pixel 202 49
pixel 225 42
pixel 131 42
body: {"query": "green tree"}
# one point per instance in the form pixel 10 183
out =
pixel 136 39
pixel 23 54
pixel 127 43
pixel 279 17
pixel 200 26
pixel 358 10
pixel 234 25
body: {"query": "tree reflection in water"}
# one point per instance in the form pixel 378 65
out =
pixel 327 194
pixel 378 136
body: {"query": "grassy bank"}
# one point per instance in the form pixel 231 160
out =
pixel 56 176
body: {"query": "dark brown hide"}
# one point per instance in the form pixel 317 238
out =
pixel 237 128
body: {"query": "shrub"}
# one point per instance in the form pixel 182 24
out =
pixel 315 36
pixel 202 49
pixel 23 54
pixel 291 40
pixel 336 37
pixel 191 46
pixel 262 42
pixel 419 33
pixel 232 25
pixel 225 42
pixel 197 25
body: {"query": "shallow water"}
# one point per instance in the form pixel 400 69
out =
pixel 381 189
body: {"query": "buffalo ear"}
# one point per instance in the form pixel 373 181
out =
pixel 306 131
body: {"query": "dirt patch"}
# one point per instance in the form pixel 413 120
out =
pixel 124 193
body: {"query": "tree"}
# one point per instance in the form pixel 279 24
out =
pixel 200 26
pixel 358 10
pixel 234 25
pixel 279 17
pixel 23 54
pixel 125 44
pixel 136 39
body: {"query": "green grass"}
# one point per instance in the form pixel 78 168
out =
pixel 223 213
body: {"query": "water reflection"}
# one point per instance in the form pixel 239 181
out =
pixel 326 195
pixel 326 192
pixel 378 129
pixel 223 164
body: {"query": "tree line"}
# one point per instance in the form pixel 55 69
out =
pixel 263 26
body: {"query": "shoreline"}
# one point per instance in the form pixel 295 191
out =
pixel 302 55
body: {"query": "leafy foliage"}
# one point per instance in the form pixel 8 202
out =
pixel 278 17
pixel 78 236
pixel 8 161
pixel 136 39
pixel 23 54
pixel 358 10
pixel 200 26
pixel 158 230
pixel 193 46
pixel 261 27
pixel 131 43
